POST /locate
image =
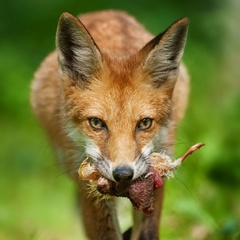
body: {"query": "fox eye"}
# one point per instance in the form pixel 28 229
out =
pixel 144 124
pixel 97 123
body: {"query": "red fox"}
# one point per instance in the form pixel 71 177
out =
pixel 112 92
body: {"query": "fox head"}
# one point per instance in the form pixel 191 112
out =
pixel 120 106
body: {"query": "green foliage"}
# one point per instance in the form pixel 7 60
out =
pixel 202 202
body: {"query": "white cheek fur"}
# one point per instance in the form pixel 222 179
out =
pixel 92 150
pixel 142 161
pixel 103 164
pixel 74 134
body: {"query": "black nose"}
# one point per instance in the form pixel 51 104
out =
pixel 123 173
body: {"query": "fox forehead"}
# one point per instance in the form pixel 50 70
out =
pixel 115 96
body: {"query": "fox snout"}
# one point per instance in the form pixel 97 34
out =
pixel 125 166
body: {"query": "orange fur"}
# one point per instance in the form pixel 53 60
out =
pixel 118 86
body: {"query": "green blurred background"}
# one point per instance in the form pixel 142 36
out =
pixel 37 200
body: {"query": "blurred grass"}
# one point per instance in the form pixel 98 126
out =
pixel 37 200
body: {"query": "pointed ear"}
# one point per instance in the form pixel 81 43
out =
pixel 78 55
pixel 162 55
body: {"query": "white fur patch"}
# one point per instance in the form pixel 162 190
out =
pixel 161 139
pixel 92 150
pixel 86 147
pixel 142 161
pixel 103 165
pixel 74 134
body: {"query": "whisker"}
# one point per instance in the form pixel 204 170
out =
pixel 184 184
pixel 70 171
pixel 139 157
pixel 52 166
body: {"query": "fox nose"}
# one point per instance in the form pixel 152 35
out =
pixel 123 173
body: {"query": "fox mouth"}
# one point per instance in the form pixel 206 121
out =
pixel 140 191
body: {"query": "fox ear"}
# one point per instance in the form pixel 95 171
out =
pixel 78 55
pixel 162 55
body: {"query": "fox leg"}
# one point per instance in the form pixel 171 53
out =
pixel 147 228
pixel 99 216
